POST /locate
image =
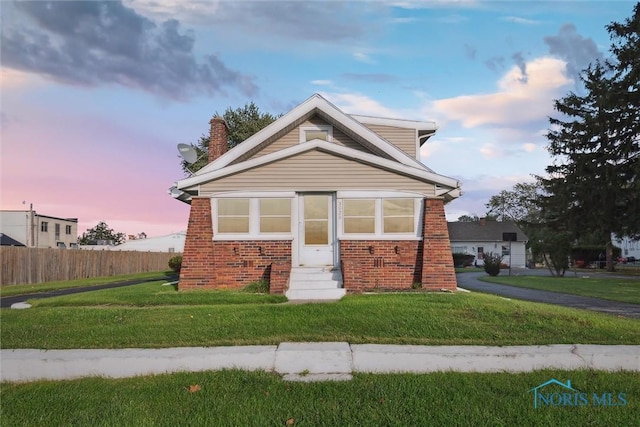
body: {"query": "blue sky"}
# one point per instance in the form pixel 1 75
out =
pixel 96 95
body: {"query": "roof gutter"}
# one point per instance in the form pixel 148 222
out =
pixel 423 138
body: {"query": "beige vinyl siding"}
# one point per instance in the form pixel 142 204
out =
pixel 293 138
pixel 341 139
pixel 317 171
pixel 404 139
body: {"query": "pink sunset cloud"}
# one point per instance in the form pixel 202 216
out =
pixel 92 170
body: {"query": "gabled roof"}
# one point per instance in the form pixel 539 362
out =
pixel 447 186
pixel 316 104
pixel 382 154
pixel 490 232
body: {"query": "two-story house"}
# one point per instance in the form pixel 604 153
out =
pixel 39 231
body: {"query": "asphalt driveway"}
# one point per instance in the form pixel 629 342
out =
pixel 6 302
pixel 471 282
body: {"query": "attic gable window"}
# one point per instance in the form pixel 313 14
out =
pixel 309 133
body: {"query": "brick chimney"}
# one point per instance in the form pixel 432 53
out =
pixel 483 221
pixel 218 138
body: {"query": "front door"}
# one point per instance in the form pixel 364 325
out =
pixel 317 237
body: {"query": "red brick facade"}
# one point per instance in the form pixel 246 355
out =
pixel 367 265
pixel 437 261
pixel 238 263
pixel 370 265
pixel 230 264
pixel 197 266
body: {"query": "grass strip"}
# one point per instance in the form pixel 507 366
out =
pixel 609 288
pixel 156 294
pixel 417 318
pixel 26 289
pixel 261 398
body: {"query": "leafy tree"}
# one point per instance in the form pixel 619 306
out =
pixel 101 232
pixel 518 205
pixel 592 185
pixel 468 218
pixel 243 122
pixel 548 242
pixel 476 218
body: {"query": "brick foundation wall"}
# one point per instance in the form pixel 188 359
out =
pixel 238 263
pixel 367 265
pixel 378 265
pixel 437 261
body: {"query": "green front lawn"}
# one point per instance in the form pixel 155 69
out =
pixel 156 294
pixel 236 398
pixel 152 316
pixel 615 289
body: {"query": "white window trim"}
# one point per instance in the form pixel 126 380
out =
pixel 327 128
pixel 379 235
pixel 254 219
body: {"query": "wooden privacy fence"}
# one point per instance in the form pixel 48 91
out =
pixel 34 265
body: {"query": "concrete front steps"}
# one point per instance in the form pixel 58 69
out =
pixel 315 283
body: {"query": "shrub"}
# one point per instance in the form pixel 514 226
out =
pixel 462 260
pixel 257 287
pixel 175 263
pixel 492 263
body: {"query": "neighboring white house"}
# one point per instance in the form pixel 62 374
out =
pixel 480 237
pixel 630 247
pixel 39 231
pixel 169 243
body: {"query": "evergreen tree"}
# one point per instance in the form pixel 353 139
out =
pixel 592 185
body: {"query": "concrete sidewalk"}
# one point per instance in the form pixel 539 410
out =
pixel 313 361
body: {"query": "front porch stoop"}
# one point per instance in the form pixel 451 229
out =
pixel 315 283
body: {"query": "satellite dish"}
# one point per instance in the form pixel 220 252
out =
pixel 188 153
pixel 175 193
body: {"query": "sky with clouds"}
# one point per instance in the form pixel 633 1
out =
pixel 96 95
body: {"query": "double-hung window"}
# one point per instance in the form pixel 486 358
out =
pixel 233 215
pixel 275 215
pixel 398 216
pixel 359 216
pixel 252 217
pixel 379 217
